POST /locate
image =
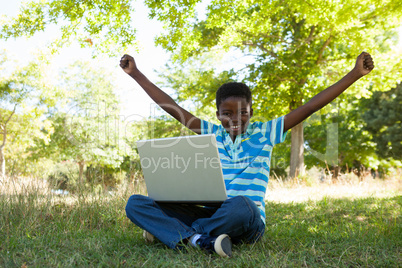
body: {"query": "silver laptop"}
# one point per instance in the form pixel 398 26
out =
pixel 183 169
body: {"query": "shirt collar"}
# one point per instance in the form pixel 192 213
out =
pixel 249 129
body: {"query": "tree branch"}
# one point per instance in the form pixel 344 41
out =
pixel 262 47
pixel 310 37
pixel 5 128
pixel 4 140
pixel 251 44
pixel 323 48
pixel 284 79
pixel 15 107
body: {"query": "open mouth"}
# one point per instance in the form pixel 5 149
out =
pixel 236 127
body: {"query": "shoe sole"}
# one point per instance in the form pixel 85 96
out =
pixel 223 246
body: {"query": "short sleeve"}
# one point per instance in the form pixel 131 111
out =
pixel 208 128
pixel 273 130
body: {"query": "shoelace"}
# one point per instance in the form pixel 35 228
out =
pixel 206 242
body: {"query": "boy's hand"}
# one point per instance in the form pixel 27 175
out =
pixel 364 64
pixel 128 65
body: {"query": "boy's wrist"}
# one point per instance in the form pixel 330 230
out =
pixel 135 73
pixel 356 74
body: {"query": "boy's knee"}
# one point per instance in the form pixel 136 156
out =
pixel 244 201
pixel 248 215
pixel 247 209
pixel 133 199
pixel 134 203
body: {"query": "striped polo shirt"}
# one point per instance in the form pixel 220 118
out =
pixel 246 161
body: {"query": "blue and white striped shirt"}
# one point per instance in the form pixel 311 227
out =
pixel 246 161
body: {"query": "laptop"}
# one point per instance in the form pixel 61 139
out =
pixel 183 169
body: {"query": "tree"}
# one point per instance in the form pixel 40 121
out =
pixel 103 25
pixel 299 47
pixel 23 96
pixel 86 122
pixel 195 80
pixel 352 145
pixel 383 119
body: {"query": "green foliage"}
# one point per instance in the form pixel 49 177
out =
pixel 24 94
pixel 64 176
pixel 24 87
pixel 353 147
pixel 383 118
pixel 86 123
pixel 104 176
pixel 294 50
pixel 164 127
pixel 196 81
pixel 105 25
pixel 22 131
pixel 154 128
pixel 357 123
pixel 280 160
pixel 293 47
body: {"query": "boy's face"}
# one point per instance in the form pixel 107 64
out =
pixel 234 114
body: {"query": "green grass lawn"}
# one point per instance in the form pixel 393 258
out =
pixel 39 229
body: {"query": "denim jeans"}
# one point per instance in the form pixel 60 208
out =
pixel 238 217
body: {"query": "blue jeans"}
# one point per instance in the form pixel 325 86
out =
pixel 238 217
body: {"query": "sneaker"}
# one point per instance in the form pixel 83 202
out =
pixel 222 245
pixel 149 238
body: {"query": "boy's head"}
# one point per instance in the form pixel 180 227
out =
pixel 233 102
pixel 232 89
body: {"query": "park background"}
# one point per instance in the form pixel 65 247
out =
pixel 70 117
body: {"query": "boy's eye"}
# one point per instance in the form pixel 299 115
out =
pixel 243 112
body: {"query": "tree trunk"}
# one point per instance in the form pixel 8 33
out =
pixel 297 151
pixel 2 158
pixel 3 127
pixel 81 165
pixel 2 164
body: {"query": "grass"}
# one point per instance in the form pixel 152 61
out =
pixel 41 229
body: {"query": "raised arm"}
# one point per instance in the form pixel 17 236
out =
pixel 364 65
pixel 127 63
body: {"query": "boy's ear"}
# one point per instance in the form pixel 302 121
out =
pixel 251 112
pixel 217 115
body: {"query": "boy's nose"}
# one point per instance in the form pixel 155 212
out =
pixel 235 118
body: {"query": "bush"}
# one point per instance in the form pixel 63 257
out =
pixel 105 176
pixel 65 176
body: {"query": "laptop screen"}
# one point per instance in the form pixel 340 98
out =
pixel 183 169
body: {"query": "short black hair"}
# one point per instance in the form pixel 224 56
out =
pixel 232 89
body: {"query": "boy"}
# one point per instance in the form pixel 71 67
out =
pixel 245 152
